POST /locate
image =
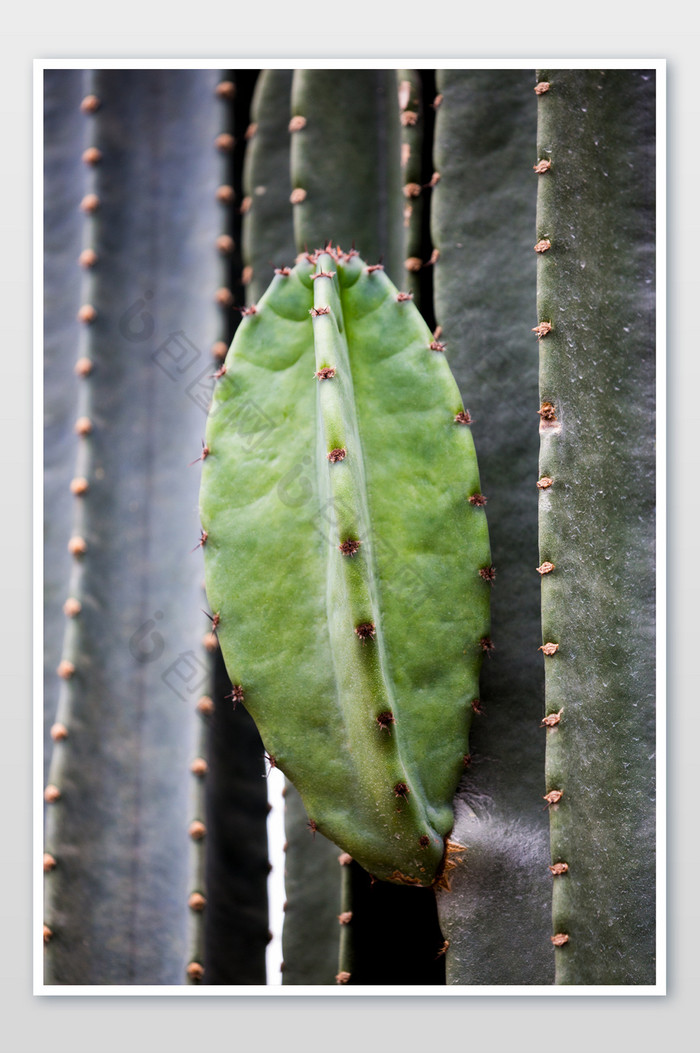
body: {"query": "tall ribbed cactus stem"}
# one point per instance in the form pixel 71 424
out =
pixel 268 225
pixel 345 162
pixel 123 731
pixel 595 240
pixel 482 218
pixel 412 121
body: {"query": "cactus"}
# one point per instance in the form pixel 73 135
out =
pixel 64 174
pixel 597 383
pixel 342 378
pixel 378 729
pixel 316 896
pixel 120 793
pixel 483 209
pixel 268 215
pixel 268 226
pixel 332 136
pixel 412 120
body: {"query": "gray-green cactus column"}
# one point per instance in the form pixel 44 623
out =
pixel 482 218
pixel 267 218
pixel 118 799
pixel 412 120
pixel 345 158
pixel 596 246
pixel 313 928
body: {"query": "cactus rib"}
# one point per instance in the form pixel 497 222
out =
pixel 345 162
pixel 410 94
pixel 116 899
pixel 268 226
pixel 482 217
pixel 313 879
pixel 596 517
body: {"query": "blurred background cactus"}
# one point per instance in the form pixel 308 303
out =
pixel 517 208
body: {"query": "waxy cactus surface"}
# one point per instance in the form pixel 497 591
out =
pixel 597 518
pixel 124 726
pixel 345 162
pixel 482 216
pixel 345 535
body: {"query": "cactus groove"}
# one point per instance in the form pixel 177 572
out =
pixel 325 641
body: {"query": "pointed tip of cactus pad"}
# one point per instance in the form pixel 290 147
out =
pixel 353 653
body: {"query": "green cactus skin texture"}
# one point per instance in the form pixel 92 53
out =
pixel 597 378
pixel 345 163
pixel 482 220
pixel 268 224
pixel 334 423
pixel 118 878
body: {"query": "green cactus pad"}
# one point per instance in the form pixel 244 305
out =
pixel 343 555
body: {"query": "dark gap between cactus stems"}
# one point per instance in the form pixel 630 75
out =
pixel 236 921
pixel 396 934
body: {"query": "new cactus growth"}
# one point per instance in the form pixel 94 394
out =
pixel 345 539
